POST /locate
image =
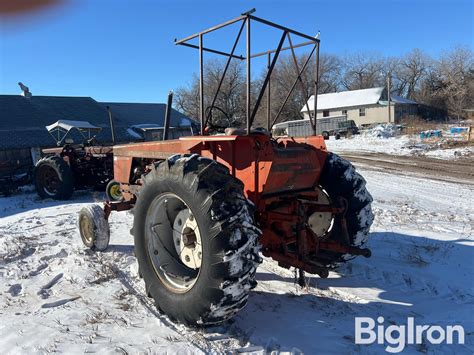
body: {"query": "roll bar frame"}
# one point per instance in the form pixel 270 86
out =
pixel 246 19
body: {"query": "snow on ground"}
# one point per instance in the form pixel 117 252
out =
pixel 450 153
pixel 371 144
pixel 57 296
pixel 386 141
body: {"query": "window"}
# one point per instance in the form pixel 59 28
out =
pixel 344 112
pixel 326 113
pixel 361 112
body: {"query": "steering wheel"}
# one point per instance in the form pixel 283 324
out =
pixel 212 125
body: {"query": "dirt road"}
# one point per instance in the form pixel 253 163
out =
pixel 460 170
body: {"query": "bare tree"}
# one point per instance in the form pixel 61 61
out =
pixel 389 68
pixel 454 74
pixel 285 75
pixel 186 99
pixel 429 85
pixel 330 71
pixel 229 106
pixel 446 83
pixel 411 70
pixel 362 71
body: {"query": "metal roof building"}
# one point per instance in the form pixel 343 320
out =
pixel 365 106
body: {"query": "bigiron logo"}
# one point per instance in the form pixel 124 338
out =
pixel 398 336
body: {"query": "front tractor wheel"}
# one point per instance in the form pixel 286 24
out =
pixel 94 228
pixel 53 178
pixel 195 240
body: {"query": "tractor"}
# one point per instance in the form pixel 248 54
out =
pixel 72 166
pixel 207 207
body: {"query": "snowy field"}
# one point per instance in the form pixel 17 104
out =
pixel 56 296
pixel 398 145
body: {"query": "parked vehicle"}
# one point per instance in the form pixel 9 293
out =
pixel 346 129
pixel 154 132
pixel 73 166
pixel 338 126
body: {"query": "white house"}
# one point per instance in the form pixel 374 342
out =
pixel 366 106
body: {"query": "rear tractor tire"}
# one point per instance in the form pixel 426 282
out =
pixel 94 228
pixel 53 178
pixel 195 240
pixel 340 180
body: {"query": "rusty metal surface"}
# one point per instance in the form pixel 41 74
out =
pixel 278 176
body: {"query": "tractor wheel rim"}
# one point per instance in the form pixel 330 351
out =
pixel 115 192
pixel 321 223
pixel 49 180
pixel 87 230
pixel 187 239
pixel 170 227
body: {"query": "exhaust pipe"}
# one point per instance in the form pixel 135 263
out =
pixel 166 126
pixel 112 126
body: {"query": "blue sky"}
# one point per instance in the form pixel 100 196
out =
pixel 117 50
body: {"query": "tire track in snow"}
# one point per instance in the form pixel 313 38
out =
pixel 461 170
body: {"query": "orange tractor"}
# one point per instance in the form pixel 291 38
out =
pixel 205 207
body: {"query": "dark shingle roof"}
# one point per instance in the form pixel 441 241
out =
pixel 27 138
pixel 38 111
pixel 137 113
pixel 23 120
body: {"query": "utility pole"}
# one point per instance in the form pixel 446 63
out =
pixel 389 88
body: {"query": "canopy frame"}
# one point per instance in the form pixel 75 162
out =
pixel 60 130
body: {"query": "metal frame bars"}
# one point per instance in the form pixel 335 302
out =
pixel 316 87
pixel 303 87
pixel 224 73
pixel 249 83
pixel 283 28
pixel 269 58
pixel 267 77
pixel 250 114
pixel 282 49
pixel 227 23
pixel 213 51
pixel 293 86
pixel 201 83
